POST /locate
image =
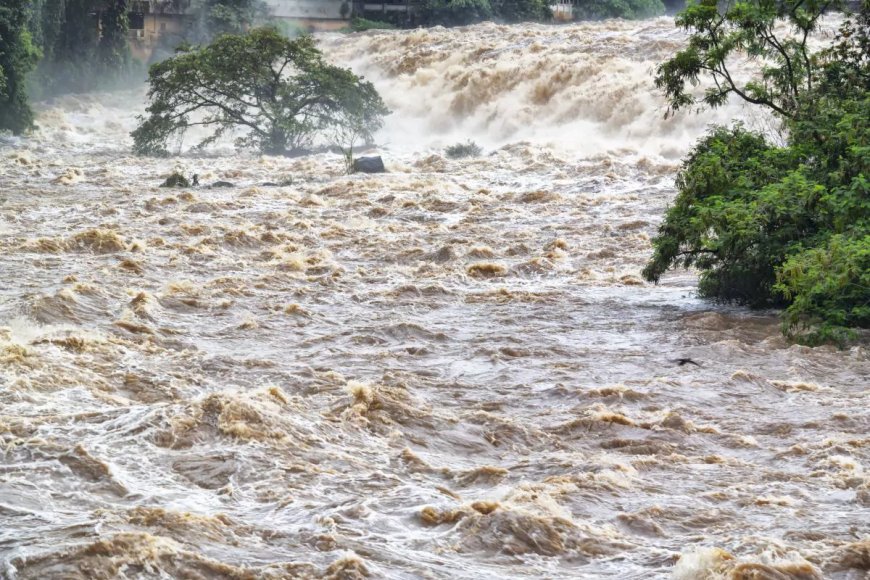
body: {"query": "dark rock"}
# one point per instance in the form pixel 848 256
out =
pixel 369 165
pixel 223 184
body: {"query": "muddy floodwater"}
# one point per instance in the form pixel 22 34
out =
pixel 451 370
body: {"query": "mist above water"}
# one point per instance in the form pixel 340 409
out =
pixel 586 87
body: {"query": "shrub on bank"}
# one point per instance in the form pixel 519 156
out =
pixel 463 150
pixel 363 24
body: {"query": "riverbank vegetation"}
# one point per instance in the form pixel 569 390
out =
pixel 51 47
pixel 54 47
pixel 628 9
pixel 462 12
pixel 278 92
pixel 776 225
pixel 18 55
pixel 465 12
pixel 83 46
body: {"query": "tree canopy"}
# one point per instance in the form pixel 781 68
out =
pixel 628 9
pixel 455 12
pixel 84 45
pixel 18 56
pixel 212 18
pixel 278 94
pixel 522 10
pixel 771 225
pixel 747 27
pixel 461 12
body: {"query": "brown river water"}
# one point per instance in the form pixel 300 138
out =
pixel 452 370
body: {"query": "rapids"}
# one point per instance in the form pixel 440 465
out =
pixel 449 370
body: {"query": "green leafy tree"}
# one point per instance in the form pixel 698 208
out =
pixel 18 56
pixel 46 18
pixel 462 12
pixel 628 9
pixel 279 93
pixel 776 225
pixel 113 49
pixel 455 12
pixel 749 28
pixel 522 10
pixel 829 289
pixel 212 18
pixel 72 69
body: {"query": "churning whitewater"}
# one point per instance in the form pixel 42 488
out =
pixel 452 370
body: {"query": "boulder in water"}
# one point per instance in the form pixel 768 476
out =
pixel 223 184
pixel 369 165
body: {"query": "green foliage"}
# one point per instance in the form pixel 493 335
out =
pixel 363 24
pixel 71 68
pixel 628 9
pixel 740 207
pixel 84 45
pixel 176 179
pixel 279 93
pixel 829 289
pixel 462 12
pixel 288 28
pixel 522 10
pixel 778 226
pixel 113 51
pixel 212 18
pixel 455 12
pixel 463 150
pixel 18 56
pixel 46 18
pixel 744 27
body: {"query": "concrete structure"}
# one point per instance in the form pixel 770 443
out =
pixel 563 10
pixel 151 20
pixel 399 12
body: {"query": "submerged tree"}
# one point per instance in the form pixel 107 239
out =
pixel 279 93
pixel 18 56
pixel 776 225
